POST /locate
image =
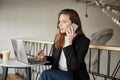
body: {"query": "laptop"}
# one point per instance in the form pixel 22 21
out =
pixel 20 53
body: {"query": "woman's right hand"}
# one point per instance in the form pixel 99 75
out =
pixel 41 55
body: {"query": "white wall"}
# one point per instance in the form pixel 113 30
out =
pixel 37 19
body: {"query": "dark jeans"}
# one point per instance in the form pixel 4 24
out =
pixel 55 75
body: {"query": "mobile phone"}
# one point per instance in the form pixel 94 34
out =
pixel 75 26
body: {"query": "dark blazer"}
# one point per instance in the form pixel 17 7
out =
pixel 75 56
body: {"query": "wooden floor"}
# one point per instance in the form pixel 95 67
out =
pixel 12 77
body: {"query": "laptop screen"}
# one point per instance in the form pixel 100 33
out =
pixel 19 50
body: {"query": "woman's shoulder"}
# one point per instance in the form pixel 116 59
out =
pixel 81 37
pixel 81 40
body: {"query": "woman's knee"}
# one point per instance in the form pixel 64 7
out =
pixel 45 74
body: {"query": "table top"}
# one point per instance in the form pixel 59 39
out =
pixel 16 63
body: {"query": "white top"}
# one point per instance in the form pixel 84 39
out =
pixel 62 62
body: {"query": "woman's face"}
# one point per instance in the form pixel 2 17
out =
pixel 64 23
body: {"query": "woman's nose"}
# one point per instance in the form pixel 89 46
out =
pixel 60 25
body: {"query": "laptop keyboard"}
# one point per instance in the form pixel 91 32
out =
pixel 33 60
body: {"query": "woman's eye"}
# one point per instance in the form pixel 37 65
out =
pixel 64 22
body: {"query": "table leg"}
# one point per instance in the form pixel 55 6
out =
pixel 4 73
pixel 28 73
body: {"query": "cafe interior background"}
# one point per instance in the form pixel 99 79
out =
pixel 37 20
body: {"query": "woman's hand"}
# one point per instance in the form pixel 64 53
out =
pixel 40 55
pixel 69 36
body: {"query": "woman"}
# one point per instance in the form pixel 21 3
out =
pixel 69 50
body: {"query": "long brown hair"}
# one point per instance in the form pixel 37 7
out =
pixel 74 17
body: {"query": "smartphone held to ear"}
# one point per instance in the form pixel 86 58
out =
pixel 75 26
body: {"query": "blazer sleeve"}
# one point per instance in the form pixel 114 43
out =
pixel 76 52
pixel 52 57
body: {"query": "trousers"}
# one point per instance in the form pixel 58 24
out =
pixel 55 75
